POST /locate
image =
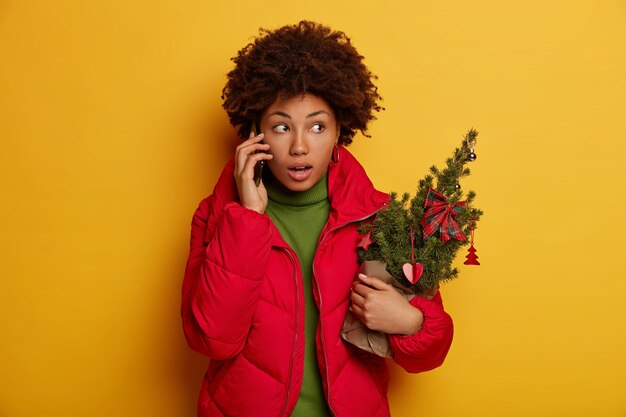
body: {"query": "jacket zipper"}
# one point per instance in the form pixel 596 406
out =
pixel 295 340
pixel 319 295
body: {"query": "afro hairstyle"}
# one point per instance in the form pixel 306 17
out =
pixel 296 59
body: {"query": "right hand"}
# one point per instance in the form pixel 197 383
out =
pixel 246 157
pixel 381 307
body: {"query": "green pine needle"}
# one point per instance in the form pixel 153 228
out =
pixel 392 225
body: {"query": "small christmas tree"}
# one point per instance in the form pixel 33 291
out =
pixel 472 259
pixel 427 229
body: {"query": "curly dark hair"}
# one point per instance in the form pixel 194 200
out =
pixel 296 59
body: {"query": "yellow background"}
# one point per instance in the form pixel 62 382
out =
pixel 111 131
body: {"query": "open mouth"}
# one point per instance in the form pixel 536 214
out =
pixel 300 172
pixel 300 169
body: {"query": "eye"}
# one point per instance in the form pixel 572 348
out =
pixel 318 127
pixel 280 128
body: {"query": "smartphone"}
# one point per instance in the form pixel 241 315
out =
pixel 258 168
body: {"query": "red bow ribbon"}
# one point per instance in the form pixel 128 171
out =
pixel 440 215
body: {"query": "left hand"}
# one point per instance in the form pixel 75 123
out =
pixel 380 307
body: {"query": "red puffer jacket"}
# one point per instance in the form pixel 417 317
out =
pixel 243 306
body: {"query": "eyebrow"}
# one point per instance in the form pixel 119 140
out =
pixel 283 114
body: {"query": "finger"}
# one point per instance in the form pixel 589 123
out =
pixel 247 171
pixel 361 289
pixel 358 311
pixel 244 153
pixel 251 140
pixel 254 150
pixel 373 282
pixel 244 147
pixel 357 298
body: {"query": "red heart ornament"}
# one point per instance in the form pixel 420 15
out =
pixel 413 272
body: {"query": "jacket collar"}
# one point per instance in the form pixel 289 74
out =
pixel 351 193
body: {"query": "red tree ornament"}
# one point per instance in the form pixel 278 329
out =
pixel 365 240
pixel 414 270
pixel 472 259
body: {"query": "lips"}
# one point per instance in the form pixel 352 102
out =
pixel 300 172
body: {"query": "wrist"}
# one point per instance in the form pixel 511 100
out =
pixel 414 321
pixel 256 209
pixel 253 205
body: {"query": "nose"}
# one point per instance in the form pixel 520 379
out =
pixel 299 145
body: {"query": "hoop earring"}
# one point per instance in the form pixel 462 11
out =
pixel 334 157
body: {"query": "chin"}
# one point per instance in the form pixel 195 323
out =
pixel 299 186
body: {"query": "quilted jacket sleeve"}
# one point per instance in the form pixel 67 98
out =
pixel 427 348
pixel 223 277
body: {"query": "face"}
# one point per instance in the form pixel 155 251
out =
pixel 302 132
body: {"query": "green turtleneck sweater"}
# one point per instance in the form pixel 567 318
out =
pixel 300 217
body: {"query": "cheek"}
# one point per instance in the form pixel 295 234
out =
pixel 273 165
pixel 320 151
pixel 276 148
pixel 327 149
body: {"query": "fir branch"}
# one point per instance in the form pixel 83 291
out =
pixel 392 227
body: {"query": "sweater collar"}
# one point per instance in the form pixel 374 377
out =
pixel 280 194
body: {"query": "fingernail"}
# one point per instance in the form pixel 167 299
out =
pixel 362 276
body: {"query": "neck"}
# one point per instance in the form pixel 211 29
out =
pixel 280 194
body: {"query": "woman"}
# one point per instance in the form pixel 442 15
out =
pixel 272 266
